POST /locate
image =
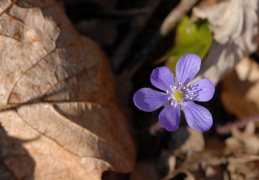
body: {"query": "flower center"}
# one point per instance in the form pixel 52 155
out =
pixel 178 95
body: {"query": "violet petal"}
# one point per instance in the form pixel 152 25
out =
pixel 162 78
pixel 169 117
pixel 197 117
pixel 147 99
pixel 187 67
pixel 202 90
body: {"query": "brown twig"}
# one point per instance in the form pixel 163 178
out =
pixel 175 15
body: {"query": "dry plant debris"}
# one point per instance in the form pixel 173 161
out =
pixel 234 36
pixel 246 141
pixel 58 115
pixel 240 88
pixel 240 159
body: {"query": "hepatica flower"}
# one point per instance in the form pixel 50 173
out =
pixel 178 95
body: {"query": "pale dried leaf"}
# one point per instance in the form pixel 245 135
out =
pixel 233 145
pixel 193 144
pixel 204 162
pixel 243 167
pixel 171 164
pixel 206 3
pixel 235 27
pixel 210 172
pixel 246 140
pixel 63 122
pixel 4 4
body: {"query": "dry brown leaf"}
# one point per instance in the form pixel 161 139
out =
pixel 145 170
pixel 58 114
pixel 235 27
pixel 240 89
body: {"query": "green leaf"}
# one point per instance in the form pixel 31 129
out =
pixel 193 38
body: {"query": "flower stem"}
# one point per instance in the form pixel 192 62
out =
pixel 154 128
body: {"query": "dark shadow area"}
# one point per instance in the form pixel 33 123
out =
pixel 15 161
pixel 110 175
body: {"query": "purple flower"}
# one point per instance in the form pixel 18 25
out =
pixel 178 96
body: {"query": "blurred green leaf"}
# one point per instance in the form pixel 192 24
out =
pixel 193 38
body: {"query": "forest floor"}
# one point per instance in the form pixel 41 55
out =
pixel 129 33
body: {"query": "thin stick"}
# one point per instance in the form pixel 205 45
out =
pixel 175 15
pixel 241 123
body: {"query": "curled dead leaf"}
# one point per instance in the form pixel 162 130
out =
pixel 235 36
pixel 247 141
pixel 243 167
pixel 192 145
pixel 56 93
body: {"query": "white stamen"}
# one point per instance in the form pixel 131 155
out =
pixel 179 88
